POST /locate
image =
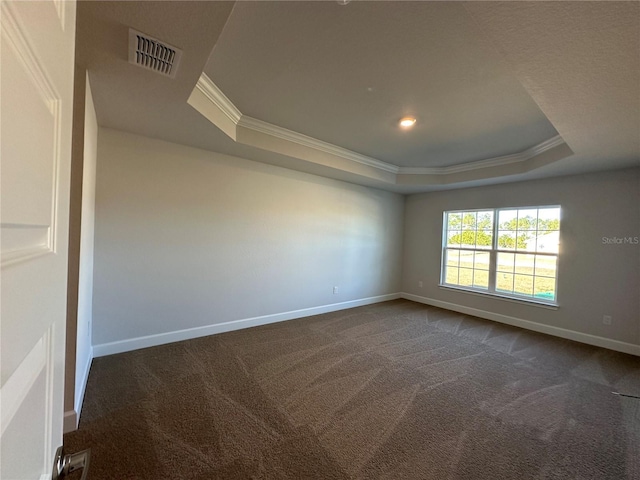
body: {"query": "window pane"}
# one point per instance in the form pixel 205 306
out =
pixel 466 277
pixel 451 275
pixel 507 219
pixel 526 241
pixel 507 240
pixel 525 263
pixel 454 221
pixel 523 285
pixel 485 220
pixel 468 238
pixel 453 239
pixel 548 242
pixel 481 279
pixel 466 259
pixel 505 262
pixel 504 282
pixel 546 266
pixel 481 260
pixel 484 239
pixel 453 257
pixel 527 219
pixel 545 288
pixel 549 219
pixel 469 221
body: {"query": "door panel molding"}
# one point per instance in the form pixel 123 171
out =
pixel 22 380
pixel 25 236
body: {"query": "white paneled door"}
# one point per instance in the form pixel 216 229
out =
pixel 36 99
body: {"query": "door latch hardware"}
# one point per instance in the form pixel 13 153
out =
pixel 65 464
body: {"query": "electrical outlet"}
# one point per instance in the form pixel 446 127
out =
pixel 607 319
pixel 420 284
pixel 335 290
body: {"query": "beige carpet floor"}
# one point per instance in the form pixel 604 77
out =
pixel 388 391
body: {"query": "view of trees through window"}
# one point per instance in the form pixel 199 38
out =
pixel 510 251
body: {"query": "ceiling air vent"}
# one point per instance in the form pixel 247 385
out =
pixel 152 54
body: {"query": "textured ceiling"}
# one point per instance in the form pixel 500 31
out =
pixel 485 79
pixel 133 99
pixel 580 61
pixel 347 74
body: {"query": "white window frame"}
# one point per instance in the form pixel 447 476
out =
pixel 493 258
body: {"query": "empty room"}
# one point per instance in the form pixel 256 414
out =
pixel 320 240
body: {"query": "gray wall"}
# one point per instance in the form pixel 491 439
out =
pixel 594 278
pixel 187 238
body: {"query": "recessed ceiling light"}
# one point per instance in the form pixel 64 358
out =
pixel 407 122
pixel 342 2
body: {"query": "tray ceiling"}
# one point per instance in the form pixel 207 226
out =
pixel 503 91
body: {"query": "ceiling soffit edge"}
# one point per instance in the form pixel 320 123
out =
pixel 214 105
pixel 488 163
pixel 218 98
pixel 304 140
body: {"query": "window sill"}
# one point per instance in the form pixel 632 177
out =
pixel 497 296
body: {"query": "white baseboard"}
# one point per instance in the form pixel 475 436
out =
pixel 83 385
pixel 162 338
pixel 72 417
pixel 529 325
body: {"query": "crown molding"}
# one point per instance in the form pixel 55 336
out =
pixel 218 98
pixel 487 163
pixel 226 106
pixel 464 167
pixel 306 141
pixel 544 146
pixel 222 103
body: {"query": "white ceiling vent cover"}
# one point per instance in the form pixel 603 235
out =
pixel 153 54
